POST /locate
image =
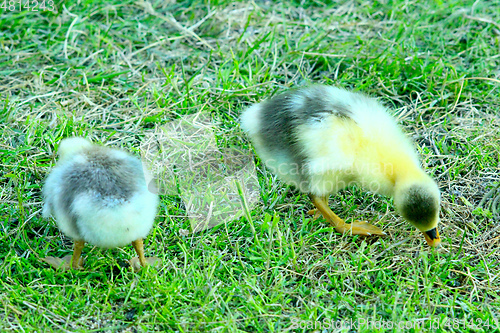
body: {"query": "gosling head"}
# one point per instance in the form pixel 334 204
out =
pixel 70 146
pixel 418 203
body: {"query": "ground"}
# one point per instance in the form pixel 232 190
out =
pixel 113 70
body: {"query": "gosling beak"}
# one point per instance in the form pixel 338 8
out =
pixel 432 237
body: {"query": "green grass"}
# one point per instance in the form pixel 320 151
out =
pixel 113 70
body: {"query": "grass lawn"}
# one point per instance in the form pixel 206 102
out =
pixel 113 70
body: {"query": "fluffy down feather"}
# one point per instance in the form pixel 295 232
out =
pixel 99 195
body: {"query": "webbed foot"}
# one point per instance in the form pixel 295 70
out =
pixel 64 263
pixel 355 228
pixel 361 228
pixel 136 264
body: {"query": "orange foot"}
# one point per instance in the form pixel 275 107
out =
pixel 64 263
pixel 355 228
pixel 314 212
pixel 135 262
pixel 360 228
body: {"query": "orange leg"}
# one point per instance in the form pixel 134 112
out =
pixel 67 263
pixel 355 228
pixel 141 261
pixel 139 248
pixel 76 262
